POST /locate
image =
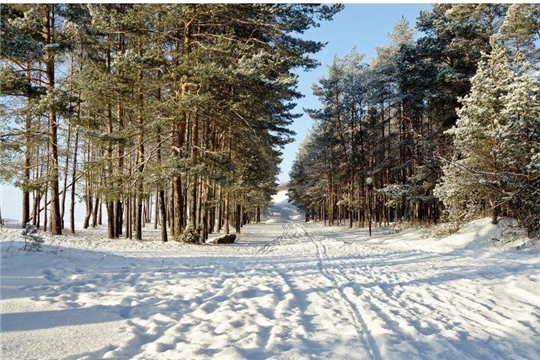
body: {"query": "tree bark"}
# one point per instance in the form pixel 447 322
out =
pixel 27 164
pixel 55 220
pixel 73 178
pixel 163 212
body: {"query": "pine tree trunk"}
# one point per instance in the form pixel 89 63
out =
pixel 95 210
pixel 138 217
pixel 87 191
pixel 238 218
pixel 88 202
pixel 56 220
pixel 111 220
pixel 194 177
pixel 118 210
pixel 100 213
pixel 178 206
pixel 118 216
pixel 227 211
pixel 66 174
pixel 27 164
pixel 163 212
pixel 217 210
pixel 156 211
pixel 45 213
pixel 129 228
pixel 495 212
pixel 73 181
pixel 35 210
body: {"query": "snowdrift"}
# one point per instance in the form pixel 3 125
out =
pixel 479 236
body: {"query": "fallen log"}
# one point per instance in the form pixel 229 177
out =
pixel 223 239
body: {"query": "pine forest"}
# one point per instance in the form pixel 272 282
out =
pixel 176 115
pixel 120 104
pixel 443 126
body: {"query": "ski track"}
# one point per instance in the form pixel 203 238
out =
pixel 354 310
pixel 297 291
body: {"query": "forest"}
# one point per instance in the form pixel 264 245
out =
pixel 442 125
pixel 125 106
pixel 177 114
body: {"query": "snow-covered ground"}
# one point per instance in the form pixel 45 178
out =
pixel 286 290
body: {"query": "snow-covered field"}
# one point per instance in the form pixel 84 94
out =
pixel 286 290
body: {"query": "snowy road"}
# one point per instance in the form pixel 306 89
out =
pixel 286 290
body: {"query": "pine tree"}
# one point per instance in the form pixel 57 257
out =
pixel 201 94
pixel 519 138
pixel 472 178
pixel 33 52
pixel 521 31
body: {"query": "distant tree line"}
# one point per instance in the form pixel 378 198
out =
pixel 445 126
pixel 175 113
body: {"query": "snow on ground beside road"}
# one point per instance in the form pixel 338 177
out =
pixel 286 290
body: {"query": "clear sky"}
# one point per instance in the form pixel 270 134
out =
pixel 363 26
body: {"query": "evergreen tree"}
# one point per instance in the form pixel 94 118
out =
pixel 519 137
pixel 472 178
pixel 31 56
pixel 520 31
pixel 198 93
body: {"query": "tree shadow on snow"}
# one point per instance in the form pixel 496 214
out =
pixel 38 320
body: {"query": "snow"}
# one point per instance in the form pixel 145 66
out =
pixel 282 209
pixel 280 199
pixel 286 290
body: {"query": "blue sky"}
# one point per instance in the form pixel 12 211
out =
pixel 363 26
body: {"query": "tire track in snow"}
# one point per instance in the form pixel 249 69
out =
pixel 356 312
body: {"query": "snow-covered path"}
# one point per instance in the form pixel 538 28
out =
pixel 286 290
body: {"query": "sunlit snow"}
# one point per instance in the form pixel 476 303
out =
pixel 286 290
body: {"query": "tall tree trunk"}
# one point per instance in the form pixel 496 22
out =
pixel 45 213
pixel 111 223
pixel 109 200
pixel 227 209
pixel 27 163
pixel 217 209
pixel 179 133
pixel 127 211
pixel 495 211
pixel 56 220
pixel 156 211
pixel 160 198
pixel 139 216
pixel 87 190
pixel 73 177
pixel 118 207
pixel 95 211
pixel 238 218
pixel 163 212
pixel 66 174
